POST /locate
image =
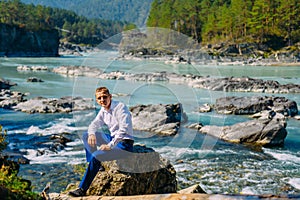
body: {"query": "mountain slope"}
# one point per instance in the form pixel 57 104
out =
pixel 135 11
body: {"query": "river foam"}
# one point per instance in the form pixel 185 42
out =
pixel 284 155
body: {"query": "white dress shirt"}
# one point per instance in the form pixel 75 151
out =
pixel 117 119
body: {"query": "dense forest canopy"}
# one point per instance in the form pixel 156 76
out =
pixel 73 28
pixel 273 22
pixel 133 11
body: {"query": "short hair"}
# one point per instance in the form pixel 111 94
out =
pixel 102 90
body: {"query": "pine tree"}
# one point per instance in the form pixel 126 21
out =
pixel 289 22
pixel 240 13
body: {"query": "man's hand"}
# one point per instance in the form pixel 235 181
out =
pixel 105 147
pixel 92 140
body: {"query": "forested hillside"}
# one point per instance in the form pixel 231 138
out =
pixel 72 28
pixel 275 23
pixel 134 11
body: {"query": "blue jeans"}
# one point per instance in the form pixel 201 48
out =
pixel 94 156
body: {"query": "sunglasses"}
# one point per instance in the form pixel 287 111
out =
pixel 102 97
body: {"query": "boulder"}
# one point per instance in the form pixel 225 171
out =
pixel 255 104
pixel 297 117
pixel 269 131
pixel 161 119
pixel 149 77
pixel 32 68
pixel 78 71
pixel 143 172
pixel 243 84
pixel 66 48
pixel 13 157
pixel 197 126
pixel 34 79
pixel 9 98
pixel 54 105
pixel 5 84
pixel 205 108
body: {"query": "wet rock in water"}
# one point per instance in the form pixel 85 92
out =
pixel 34 80
pixel 32 68
pixel 197 126
pixel 54 105
pixel 78 71
pixel 255 104
pixel 14 157
pixel 60 138
pixel 9 99
pixel 150 77
pixel 269 131
pixel 205 108
pixel 297 117
pixel 161 119
pixel 6 84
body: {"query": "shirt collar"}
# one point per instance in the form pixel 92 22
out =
pixel 112 106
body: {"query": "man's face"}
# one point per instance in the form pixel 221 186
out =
pixel 103 99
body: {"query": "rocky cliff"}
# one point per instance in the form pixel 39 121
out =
pixel 18 42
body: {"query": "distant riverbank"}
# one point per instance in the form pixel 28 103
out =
pixel 204 57
pixel 176 48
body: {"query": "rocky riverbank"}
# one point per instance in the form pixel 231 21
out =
pixel 178 48
pixel 226 84
pixel 69 49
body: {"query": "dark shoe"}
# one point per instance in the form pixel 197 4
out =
pixel 77 193
pixel 101 169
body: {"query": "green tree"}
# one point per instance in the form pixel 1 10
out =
pixel 161 15
pixel 239 13
pixel 67 29
pixel 289 22
pixel 224 23
pixel 263 16
pixel 194 23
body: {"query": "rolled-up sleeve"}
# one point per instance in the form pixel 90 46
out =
pixel 96 124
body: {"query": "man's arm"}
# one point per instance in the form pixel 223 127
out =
pixel 93 127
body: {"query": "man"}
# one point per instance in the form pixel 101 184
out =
pixel 116 145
